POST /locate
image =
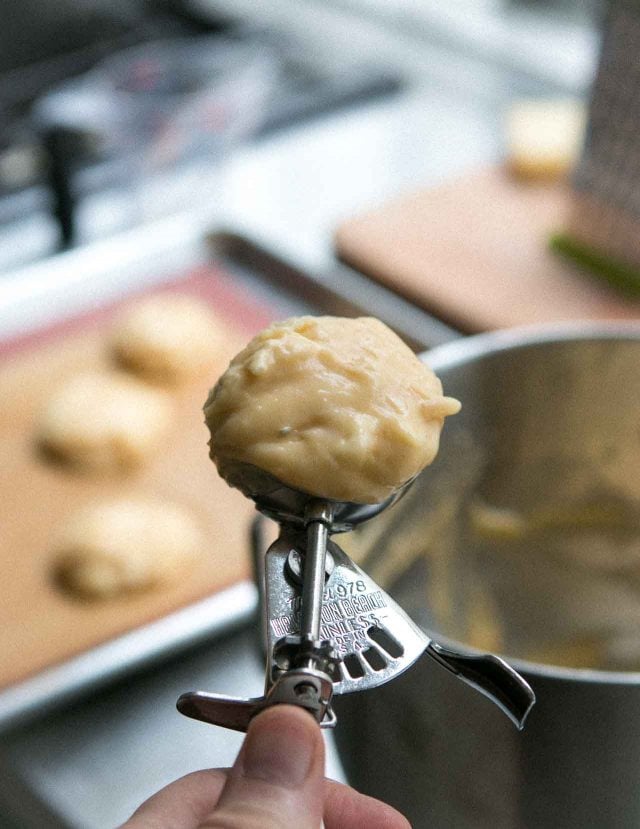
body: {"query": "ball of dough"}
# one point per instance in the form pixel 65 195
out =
pixel 116 547
pixel 168 338
pixel 104 422
pixel 544 138
pixel 339 408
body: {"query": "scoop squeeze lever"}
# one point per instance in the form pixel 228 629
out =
pixel 330 629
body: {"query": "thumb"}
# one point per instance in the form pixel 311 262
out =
pixel 278 778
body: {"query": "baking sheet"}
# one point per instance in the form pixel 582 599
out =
pixel 54 648
pixel 41 626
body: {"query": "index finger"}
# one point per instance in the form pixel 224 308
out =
pixel 182 804
pixel 345 808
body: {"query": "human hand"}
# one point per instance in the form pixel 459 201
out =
pixel 277 781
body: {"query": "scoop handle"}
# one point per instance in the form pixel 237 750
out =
pixel 492 676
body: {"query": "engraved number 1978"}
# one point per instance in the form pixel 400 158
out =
pixel 345 589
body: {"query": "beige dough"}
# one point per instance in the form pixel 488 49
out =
pixel 339 408
pixel 104 422
pixel 544 137
pixel 116 547
pixel 169 338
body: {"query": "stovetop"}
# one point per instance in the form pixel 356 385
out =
pixel 40 169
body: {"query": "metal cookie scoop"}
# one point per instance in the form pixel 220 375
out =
pixel 330 629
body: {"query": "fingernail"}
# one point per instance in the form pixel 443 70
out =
pixel 280 747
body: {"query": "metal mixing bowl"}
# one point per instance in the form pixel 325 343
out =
pixel 522 538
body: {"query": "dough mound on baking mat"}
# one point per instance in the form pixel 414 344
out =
pixel 115 547
pixel 103 422
pixel 168 338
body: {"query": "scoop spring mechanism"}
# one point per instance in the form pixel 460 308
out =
pixel 330 629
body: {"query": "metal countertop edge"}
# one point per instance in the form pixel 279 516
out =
pixel 336 287
pixel 150 643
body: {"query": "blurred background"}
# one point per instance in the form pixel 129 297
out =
pixel 409 159
pixel 67 130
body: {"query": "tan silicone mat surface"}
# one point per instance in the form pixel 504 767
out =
pixel 474 252
pixel 39 625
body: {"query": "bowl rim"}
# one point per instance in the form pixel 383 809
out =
pixel 467 348
pixel 470 348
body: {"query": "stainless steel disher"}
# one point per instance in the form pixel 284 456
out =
pixel 330 629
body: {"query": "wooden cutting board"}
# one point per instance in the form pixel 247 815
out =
pixel 475 253
pixel 39 625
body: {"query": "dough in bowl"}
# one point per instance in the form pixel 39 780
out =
pixel 103 422
pixel 111 548
pixel 339 408
pixel 168 338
